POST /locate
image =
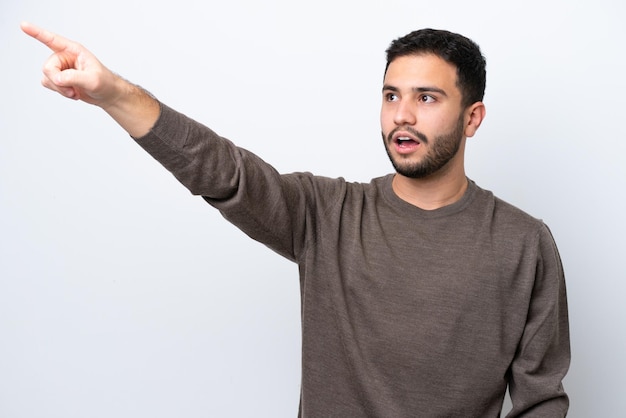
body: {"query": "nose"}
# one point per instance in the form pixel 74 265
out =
pixel 405 113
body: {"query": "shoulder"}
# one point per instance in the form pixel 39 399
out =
pixel 515 235
pixel 333 185
pixel 505 211
pixel 508 221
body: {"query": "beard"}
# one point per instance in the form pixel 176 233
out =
pixel 441 150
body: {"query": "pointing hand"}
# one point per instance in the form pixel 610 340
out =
pixel 76 73
pixel 73 71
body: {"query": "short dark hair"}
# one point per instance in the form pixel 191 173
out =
pixel 453 48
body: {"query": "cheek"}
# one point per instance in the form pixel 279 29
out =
pixel 443 124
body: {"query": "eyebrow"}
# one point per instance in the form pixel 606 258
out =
pixel 417 89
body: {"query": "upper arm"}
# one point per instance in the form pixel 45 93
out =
pixel 543 354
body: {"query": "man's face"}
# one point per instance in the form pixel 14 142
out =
pixel 421 117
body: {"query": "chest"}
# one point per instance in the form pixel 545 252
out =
pixel 449 283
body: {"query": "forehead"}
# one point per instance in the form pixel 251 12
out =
pixel 424 70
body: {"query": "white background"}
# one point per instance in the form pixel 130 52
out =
pixel 123 295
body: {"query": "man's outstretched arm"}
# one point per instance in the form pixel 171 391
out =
pixel 74 72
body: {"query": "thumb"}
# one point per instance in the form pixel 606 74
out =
pixel 88 86
pixel 67 82
pixel 68 78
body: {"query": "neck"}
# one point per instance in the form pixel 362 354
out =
pixel 433 192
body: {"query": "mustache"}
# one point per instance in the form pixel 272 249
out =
pixel 410 130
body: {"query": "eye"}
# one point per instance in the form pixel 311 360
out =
pixel 391 97
pixel 426 98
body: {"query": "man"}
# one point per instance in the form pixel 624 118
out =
pixel 422 294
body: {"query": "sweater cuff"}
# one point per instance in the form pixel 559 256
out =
pixel 166 139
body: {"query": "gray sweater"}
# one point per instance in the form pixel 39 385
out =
pixel 405 312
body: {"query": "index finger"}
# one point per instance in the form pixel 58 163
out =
pixel 53 41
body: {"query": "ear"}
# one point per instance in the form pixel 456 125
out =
pixel 474 116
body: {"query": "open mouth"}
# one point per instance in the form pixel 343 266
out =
pixel 405 140
pixel 406 136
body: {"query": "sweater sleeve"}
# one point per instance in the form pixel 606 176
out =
pixel 250 193
pixel 543 354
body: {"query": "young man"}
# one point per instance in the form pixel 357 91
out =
pixel 422 294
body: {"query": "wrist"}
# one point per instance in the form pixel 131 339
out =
pixel 133 108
